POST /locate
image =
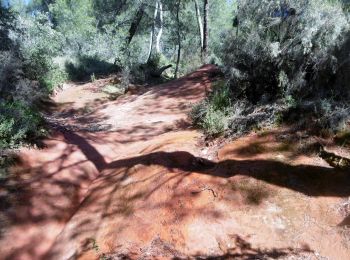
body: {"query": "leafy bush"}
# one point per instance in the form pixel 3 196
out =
pixel 82 67
pixel 14 86
pixel 214 123
pixel 212 114
pixel 190 64
pixel 287 57
pixel 18 123
pixel 198 113
pixel 39 43
pixel 220 99
pixel 7 19
pixel 40 67
pixel 53 78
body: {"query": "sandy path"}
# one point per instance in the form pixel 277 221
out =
pixel 144 189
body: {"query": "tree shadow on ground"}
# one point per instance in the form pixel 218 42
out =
pixel 242 250
pixel 52 191
pixel 30 193
pixel 307 179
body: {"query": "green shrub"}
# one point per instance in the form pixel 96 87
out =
pixel 198 112
pixel 37 64
pixel 190 64
pixel 220 99
pixel 291 56
pixel 214 123
pixel 212 114
pixel 287 66
pixel 18 124
pixel 53 78
pixel 82 67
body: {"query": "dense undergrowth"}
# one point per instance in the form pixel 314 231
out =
pixel 284 64
pixel 18 122
pixel 26 76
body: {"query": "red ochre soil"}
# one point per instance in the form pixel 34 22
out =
pixel 145 189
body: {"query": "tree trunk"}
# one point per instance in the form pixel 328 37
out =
pixel 160 21
pixel 152 32
pixel 200 25
pixel 206 29
pixel 136 22
pixel 178 38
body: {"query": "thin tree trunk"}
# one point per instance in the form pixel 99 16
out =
pixel 136 22
pixel 206 29
pixel 178 39
pixel 200 25
pixel 152 32
pixel 159 35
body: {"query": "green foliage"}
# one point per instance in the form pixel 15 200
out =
pixel 290 101
pixel 288 66
pixel 23 58
pixel 274 64
pixel 37 64
pixel 212 114
pixel 198 113
pixel 39 43
pixel 220 22
pixel 53 78
pixel 299 49
pixel 18 124
pixel 75 20
pixel 214 123
pixel 7 19
pixel 41 68
pixel 82 67
pixel 190 64
pixel 220 99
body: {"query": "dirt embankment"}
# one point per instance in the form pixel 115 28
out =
pixel 127 179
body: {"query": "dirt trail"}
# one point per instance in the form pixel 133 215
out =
pixel 126 179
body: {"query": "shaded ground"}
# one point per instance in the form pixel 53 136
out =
pixel 126 179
